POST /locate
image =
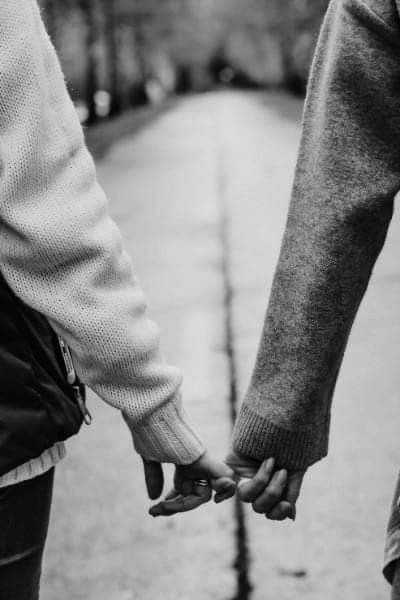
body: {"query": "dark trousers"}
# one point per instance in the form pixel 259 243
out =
pixel 24 519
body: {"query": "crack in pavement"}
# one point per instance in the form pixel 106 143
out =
pixel 242 559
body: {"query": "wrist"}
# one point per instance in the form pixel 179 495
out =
pixel 166 437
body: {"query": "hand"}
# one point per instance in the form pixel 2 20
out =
pixel 189 491
pixel 271 490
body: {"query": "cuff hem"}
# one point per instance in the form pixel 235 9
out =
pixel 257 437
pixel 166 437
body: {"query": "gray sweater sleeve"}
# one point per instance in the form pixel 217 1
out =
pixel 347 175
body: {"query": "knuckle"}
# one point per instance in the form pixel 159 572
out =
pixel 262 477
pixel 280 512
pixel 257 482
pixel 267 472
pixel 271 517
pixel 292 498
pixel 276 517
pixel 273 494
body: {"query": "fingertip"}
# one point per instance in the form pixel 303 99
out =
pixel 154 478
pixel 276 517
pixel 154 494
pixel 281 512
pixel 282 475
pixel 222 484
pixel 225 495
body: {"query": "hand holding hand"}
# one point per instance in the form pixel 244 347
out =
pixel 271 490
pixel 193 485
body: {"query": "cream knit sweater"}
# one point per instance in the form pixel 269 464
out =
pixel 63 255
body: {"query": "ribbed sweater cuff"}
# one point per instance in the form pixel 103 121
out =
pixel 257 437
pixel 166 437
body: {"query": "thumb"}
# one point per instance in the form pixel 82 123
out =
pixel 224 487
pixel 154 478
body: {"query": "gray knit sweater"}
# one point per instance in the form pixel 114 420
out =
pixel 347 175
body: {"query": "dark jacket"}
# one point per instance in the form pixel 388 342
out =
pixel 38 406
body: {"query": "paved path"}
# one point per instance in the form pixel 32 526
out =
pixel 201 196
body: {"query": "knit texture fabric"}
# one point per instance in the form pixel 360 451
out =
pixel 62 254
pixel 36 467
pixel 347 175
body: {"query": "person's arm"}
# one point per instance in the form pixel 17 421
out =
pixel 62 254
pixel 347 175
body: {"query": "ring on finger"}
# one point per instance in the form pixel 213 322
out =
pixel 201 482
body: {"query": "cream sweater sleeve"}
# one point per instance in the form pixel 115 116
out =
pixel 62 254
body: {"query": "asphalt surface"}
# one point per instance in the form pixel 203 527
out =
pixel 201 196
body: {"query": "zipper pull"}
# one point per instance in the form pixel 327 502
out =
pixel 87 417
pixel 72 380
pixel 69 365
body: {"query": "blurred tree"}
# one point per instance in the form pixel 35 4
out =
pixel 299 22
pixel 272 41
pixel 90 12
pixel 51 12
pixel 140 17
pixel 141 50
pixel 112 56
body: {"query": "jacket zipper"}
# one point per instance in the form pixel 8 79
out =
pixel 73 381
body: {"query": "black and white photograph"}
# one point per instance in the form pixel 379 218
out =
pixel 199 300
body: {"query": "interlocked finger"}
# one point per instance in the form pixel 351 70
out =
pixel 251 489
pixel 272 494
pixel 224 488
pixel 176 502
pixel 179 504
pixel 172 494
pixel 295 482
pixel 286 509
pixel 280 512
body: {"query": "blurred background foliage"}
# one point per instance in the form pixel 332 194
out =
pixel 119 54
